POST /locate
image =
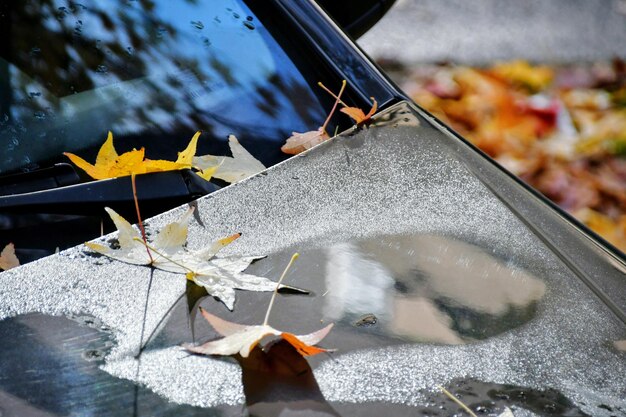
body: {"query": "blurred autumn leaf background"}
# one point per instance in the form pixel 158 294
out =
pixel 525 84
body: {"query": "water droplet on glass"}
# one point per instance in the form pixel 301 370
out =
pixel 39 115
pixel 206 41
pixel 130 50
pixel 161 32
pixel 249 25
pixel 61 13
pixel 34 94
pixel 25 162
pixel 235 15
pixel 6 118
pixel 13 142
pixel 35 50
pixel 78 27
pixel 249 18
pixel 102 69
pixel 98 44
pixel 198 25
pixel 217 19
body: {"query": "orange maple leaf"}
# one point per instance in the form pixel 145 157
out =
pixel 355 113
pixel 358 115
pixel 111 165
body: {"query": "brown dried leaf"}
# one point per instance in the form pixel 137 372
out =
pixel 300 142
pixel 8 259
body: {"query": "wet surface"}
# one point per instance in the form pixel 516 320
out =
pixel 54 370
pixel 58 367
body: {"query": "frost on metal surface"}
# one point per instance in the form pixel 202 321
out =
pixel 385 216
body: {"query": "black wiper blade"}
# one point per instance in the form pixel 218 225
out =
pixel 156 191
pixel 58 175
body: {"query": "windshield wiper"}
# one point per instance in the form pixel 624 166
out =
pixel 156 192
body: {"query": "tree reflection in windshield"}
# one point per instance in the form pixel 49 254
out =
pixel 151 71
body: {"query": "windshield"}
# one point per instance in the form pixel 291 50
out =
pixel 152 72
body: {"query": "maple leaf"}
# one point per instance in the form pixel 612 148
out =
pixel 230 169
pixel 300 142
pixel 218 276
pixel 358 115
pixel 111 165
pixel 241 339
pixel 355 113
pixel 8 259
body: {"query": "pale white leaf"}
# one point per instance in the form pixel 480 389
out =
pixel 231 169
pixel 315 337
pixel 234 263
pixel 242 339
pixel 219 276
pixel 241 342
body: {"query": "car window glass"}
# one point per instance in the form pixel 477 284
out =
pixel 153 72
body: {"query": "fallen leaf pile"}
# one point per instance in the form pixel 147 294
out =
pixel 219 276
pixel 8 259
pixel 560 129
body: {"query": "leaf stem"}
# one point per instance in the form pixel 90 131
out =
pixel 456 400
pixel 143 231
pixel 269 308
pixel 337 100
pixel 331 93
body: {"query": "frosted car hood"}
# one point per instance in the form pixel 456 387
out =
pixel 435 265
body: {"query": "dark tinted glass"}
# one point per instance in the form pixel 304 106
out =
pixel 153 72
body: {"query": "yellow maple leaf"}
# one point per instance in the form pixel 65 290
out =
pixel 111 165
